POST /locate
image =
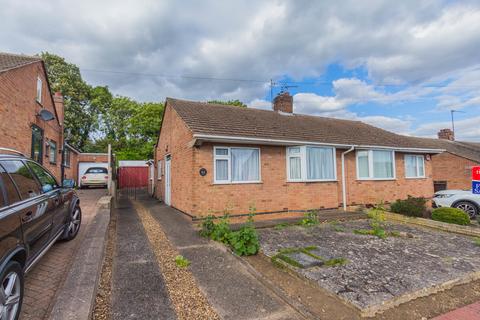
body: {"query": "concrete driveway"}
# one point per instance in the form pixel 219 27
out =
pixel 43 281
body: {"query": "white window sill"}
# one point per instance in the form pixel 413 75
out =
pixel 376 179
pixel 237 182
pixel 415 178
pixel 310 181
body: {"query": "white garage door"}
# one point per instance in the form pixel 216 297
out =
pixel 83 166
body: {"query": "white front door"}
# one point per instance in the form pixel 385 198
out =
pixel 168 193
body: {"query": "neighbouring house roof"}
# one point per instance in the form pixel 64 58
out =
pixel 468 150
pixel 214 120
pixel 72 148
pixel 10 61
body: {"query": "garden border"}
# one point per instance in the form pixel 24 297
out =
pixel 448 227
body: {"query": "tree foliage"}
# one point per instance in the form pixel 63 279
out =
pixel 236 103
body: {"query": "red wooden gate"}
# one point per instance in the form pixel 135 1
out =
pixel 132 177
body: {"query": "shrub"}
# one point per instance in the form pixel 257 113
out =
pixel 208 226
pixel 411 206
pixel 244 242
pixel 181 261
pixel 451 215
pixel 221 231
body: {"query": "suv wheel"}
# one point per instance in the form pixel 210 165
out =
pixel 11 291
pixel 468 207
pixel 72 227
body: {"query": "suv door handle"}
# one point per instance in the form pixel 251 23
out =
pixel 27 217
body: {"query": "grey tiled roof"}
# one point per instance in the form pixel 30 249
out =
pixel 214 119
pixel 10 61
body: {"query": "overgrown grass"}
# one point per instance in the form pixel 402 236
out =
pixel 181 261
pixel 283 255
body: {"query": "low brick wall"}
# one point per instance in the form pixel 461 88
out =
pixel 449 227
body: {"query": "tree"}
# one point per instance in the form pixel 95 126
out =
pixel 80 114
pixel 236 103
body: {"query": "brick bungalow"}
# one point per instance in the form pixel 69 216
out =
pixel 24 92
pixel 452 169
pixel 213 158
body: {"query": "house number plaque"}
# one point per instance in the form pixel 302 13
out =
pixel 203 172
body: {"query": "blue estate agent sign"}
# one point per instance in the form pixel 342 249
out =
pixel 476 187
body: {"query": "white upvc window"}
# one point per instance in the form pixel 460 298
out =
pixel 376 165
pixel 159 170
pixel 414 166
pixel 39 90
pixel 309 163
pixel 236 165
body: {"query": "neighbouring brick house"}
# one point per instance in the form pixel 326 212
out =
pixel 214 158
pixel 452 169
pixel 24 93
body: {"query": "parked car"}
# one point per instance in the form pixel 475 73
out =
pixel 94 176
pixel 461 199
pixel 35 212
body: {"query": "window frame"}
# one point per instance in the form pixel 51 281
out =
pixel 229 165
pixel 40 155
pixel 370 165
pixel 67 158
pixel 52 146
pixel 417 156
pixel 303 163
pixel 38 96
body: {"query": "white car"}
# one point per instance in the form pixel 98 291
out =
pixel 94 176
pixel 461 199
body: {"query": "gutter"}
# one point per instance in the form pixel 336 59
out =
pixel 344 187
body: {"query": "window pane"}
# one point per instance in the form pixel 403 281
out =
pixel 221 152
pixel 410 166
pixel 382 164
pixel 245 165
pixel 53 152
pixel 362 163
pixel 97 170
pixel 26 183
pixel 421 168
pixel 12 194
pixel 320 163
pixel 221 170
pixel 37 144
pixel 294 150
pixel 159 169
pixel 295 168
pixel 46 180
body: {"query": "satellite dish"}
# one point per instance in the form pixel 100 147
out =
pixel 46 115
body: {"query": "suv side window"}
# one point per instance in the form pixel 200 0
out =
pixel 26 183
pixel 47 181
pixel 9 188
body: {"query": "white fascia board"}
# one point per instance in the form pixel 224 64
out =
pixel 280 142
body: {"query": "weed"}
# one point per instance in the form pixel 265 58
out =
pixel 336 262
pixel 208 226
pixel 245 241
pixel 283 255
pixel 310 219
pixel 222 231
pixel 181 261
pixel 476 241
pixel 282 226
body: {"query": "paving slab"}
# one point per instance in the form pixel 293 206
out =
pixel 226 282
pixel 138 287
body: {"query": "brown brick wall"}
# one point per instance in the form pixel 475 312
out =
pixel 199 196
pixel 71 172
pixel 457 171
pixel 92 157
pixel 18 109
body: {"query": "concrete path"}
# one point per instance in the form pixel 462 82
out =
pixel 225 281
pixel 138 287
pixel 470 312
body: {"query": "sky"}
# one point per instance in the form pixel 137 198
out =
pixel 399 65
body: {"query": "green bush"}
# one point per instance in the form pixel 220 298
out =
pixel 221 231
pixel 451 215
pixel 208 226
pixel 411 206
pixel 244 242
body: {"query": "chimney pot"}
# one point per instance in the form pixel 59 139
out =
pixel 283 103
pixel 446 134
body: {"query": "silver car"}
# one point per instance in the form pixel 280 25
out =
pixel 461 199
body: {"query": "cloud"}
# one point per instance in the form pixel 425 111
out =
pixel 467 129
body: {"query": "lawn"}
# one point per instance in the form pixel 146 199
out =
pixel 375 273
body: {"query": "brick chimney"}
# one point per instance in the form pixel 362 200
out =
pixel 283 103
pixel 446 134
pixel 59 107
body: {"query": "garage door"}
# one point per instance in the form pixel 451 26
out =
pixel 83 167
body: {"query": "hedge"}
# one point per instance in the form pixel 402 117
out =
pixel 414 207
pixel 451 215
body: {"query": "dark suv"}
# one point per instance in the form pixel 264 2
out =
pixel 35 211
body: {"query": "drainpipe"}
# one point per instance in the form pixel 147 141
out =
pixel 344 187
